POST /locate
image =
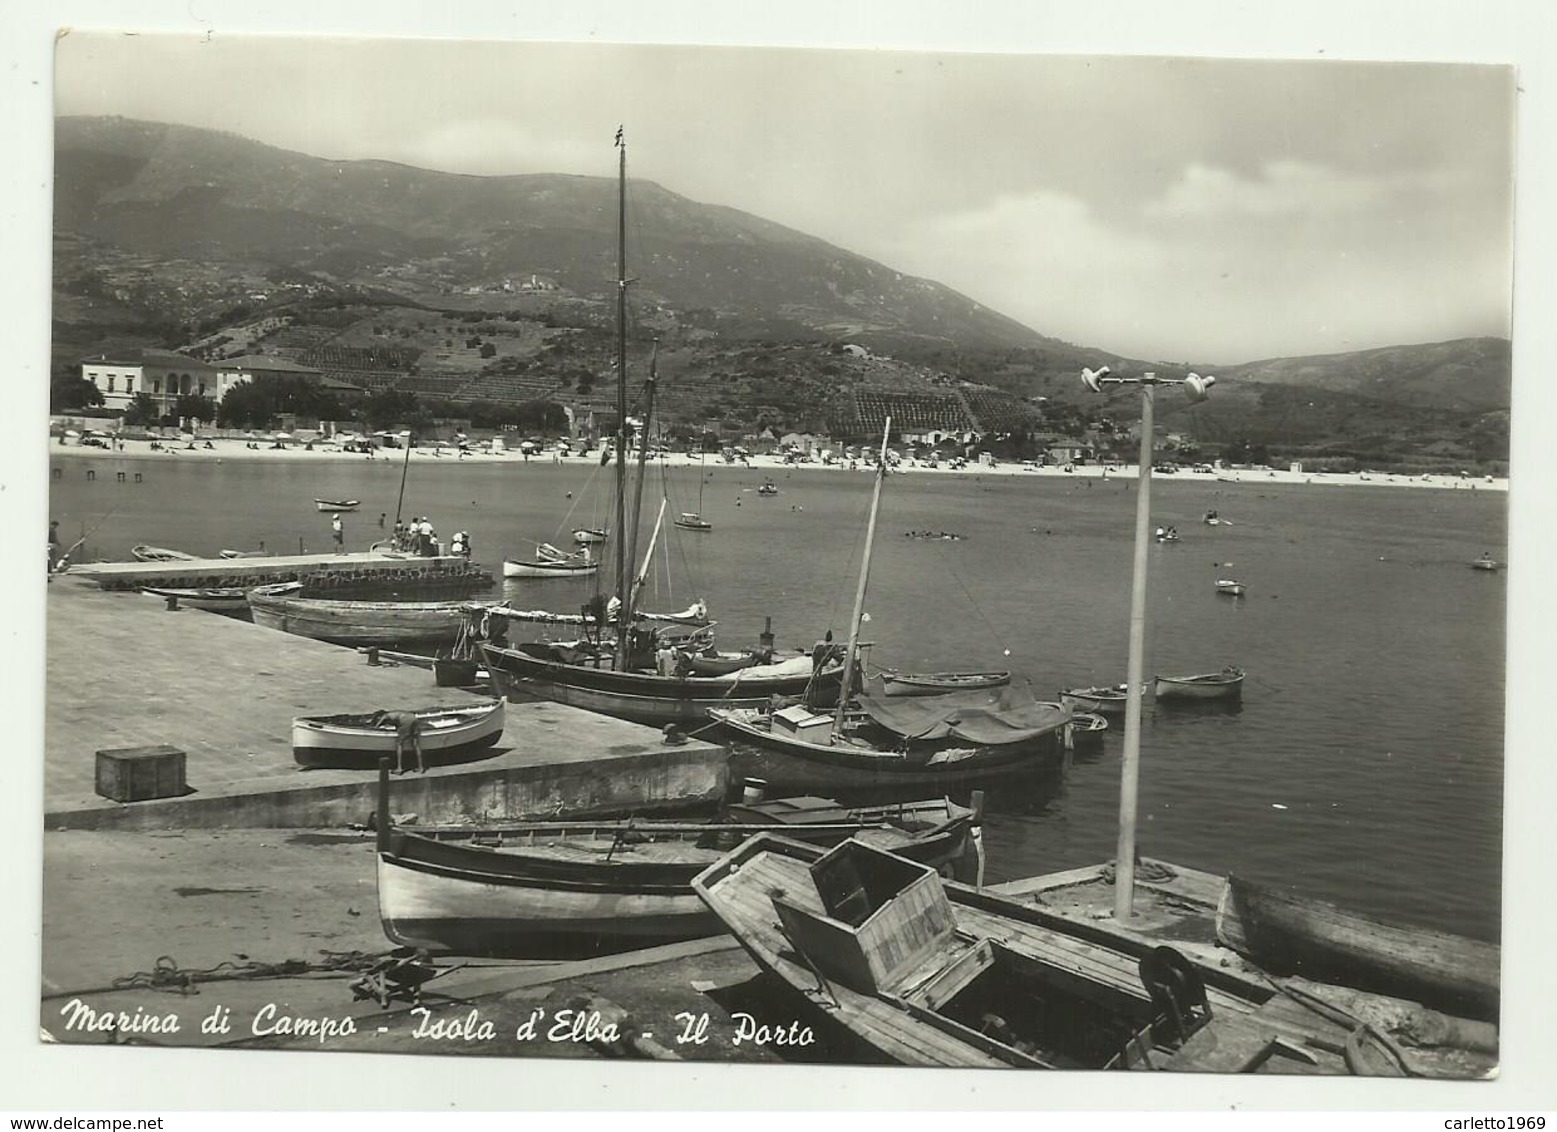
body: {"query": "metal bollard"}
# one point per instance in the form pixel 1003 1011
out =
pixel 172 603
pixel 373 656
pixel 754 790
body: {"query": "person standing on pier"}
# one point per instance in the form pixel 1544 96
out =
pixel 338 533
pixel 53 547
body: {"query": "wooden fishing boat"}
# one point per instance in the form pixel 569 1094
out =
pixel 355 623
pixel 358 741
pixel 691 521
pixel 145 553
pixel 1229 587
pixel 937 683
pixel 935 973
pixel 522 888
pixel 1285 933
pixel 898 743
pixel 710 663
pixel 233 602
pixel 1224 685
pixel 590 536
pixel 549 562
pixel 583 674
pixel 1108 699
pixel 694 616
pixel 1085 731
pixel 337 504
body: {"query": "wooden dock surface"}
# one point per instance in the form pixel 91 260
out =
pixel 125 671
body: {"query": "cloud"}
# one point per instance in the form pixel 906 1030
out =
pixel 1287 188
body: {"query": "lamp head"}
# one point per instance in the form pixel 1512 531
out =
pixel 1093 379
pixel 1196 387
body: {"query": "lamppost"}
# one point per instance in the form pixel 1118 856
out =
pixel 1195 388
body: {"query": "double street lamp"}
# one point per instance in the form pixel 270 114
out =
pixel 1195 388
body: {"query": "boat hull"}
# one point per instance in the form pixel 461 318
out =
pixel 1289 934
pixel 938 683
pixel 1104 701
pixel 513 569
pixel 318 743
pixel 640 697
pixel 337 504
pixel 359 623
pixel 232 602
pixel 1212 686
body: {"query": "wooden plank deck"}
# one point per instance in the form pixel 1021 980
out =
pixel 124 671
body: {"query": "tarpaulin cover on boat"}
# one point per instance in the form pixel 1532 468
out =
pixel 991 717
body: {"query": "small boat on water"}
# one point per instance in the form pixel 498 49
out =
pixel 938 683
pixel 337 504
pixel 1085 731
pixel 145 553
pixel 233 602
pixel 260 553
pixel 549 562
pixel 934 973
pixel 691 521
pixel 519 888
pixel 1486 562
pixel 1106 700
pixel 358 741
pixel 1285 933
pixel 1224 685
pixel 768 488
pixel 354 623
pixel 1229 587
pixel 590 536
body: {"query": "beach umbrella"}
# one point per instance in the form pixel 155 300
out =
pixel 527 446
pixel 283 436
pixel 250 435
pixel 405 434
pixel 71 432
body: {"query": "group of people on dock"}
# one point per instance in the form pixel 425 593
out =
pixel 419 538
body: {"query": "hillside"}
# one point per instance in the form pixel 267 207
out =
pixel 499 290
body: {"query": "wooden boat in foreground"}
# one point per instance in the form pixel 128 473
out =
pixel 358 741
pixel 938 683
pixel 144 553
pixel 1289 934
pixel 1108 699
pixel 233 602
pixel 356 623
pixel 521 888
pixel 1224 685
pixel 932 973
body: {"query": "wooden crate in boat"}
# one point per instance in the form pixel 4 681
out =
pixel 136 774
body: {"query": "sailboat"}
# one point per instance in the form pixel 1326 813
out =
pixel 639 675
pixel 693 520
pixel 872 740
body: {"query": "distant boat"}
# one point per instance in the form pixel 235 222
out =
pixel 936 683
pixel 768 488
pixel 1229 587
pixel 549 562
pixel 161 554
pixel 358 741
pixel 588 536
pixel 1486 563
pixel 692 521
pixel 262 553
pixel 1224 685
pixel 337 504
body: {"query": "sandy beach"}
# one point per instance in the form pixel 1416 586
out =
pixel 235 449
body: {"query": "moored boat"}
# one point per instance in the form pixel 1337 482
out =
pixel 145 553
pixel 1108 699
pixel 1486 562
pixel 345 622
pixel 928 973
pixel 1285 933
pixel 691 521
pixel 1224 685
pixel 337 504
pixel 590 536
pixel 523 888
pixel 231 601
pixel 549 562
pixel 938 683
pixel 768 488
pixel 1085 731
pixel 1229 587
pixel 358 741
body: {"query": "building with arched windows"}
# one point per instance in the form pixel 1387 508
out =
pixel 162 374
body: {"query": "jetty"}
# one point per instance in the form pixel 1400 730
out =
pixel 316 571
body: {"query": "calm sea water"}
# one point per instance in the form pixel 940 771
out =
pixel 1365 764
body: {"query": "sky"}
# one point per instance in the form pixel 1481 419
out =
pixel 1200 210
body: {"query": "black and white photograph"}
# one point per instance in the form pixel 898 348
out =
pixel 827 557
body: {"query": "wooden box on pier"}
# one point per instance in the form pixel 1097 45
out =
pixel 137 774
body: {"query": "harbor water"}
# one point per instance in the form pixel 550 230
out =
pixel 1363 766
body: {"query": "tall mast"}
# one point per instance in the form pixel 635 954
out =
pixel 625 611
pixel 624 552
pixel 844 690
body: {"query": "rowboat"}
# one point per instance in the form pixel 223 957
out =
pixel 583 674
pixel 549 562
pixel 161 554
pixel 1085 731
pixel 1289 934
pixel 930 972
pixel 768 488
pixel 691 521
pixel 901 742
pixel 1224 685
pixel 211 600
pixel 721 663
pixel 245 553
pixel 523 888
pixel 356 622
pixel 1486 563
pixel 585 536
pixel 1108 700
pixel 937 683
pixel 337 504
pixel 1229 588
pixel 358 741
